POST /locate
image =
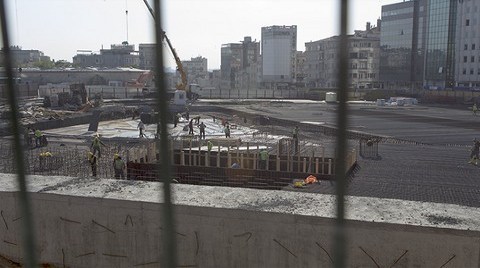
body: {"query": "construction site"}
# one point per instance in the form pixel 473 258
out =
pixel 246 177
pixel 194 162
pixel 399 158
pixel 255 165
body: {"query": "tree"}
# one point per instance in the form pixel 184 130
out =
pixel 44 64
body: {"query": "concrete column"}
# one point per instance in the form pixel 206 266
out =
pixel 229 159
pixel 135 154
pixel 190 152
pixel 172 151
pixel 329 167
pixel 316 166
pixel 298 162
pixel 255 157
pixel 288 159
pixel 218 156
pixel 151 152
pixel 304 165
pixel 182 158
pixel 278 163
pixel 238 150
pixel 241 161
pixel 199 152
pixel 310 161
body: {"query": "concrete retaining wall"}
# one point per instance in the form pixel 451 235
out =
pixel 86 230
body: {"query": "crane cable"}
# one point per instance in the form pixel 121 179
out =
pixel 126 16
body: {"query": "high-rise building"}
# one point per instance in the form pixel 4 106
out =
pixel 119 55
pixel 313 66
pixel 321 63
pixel 279 46
pixel 364 58
pixel 467 59
pixel 240 63
pixel 147 54
pixel 300 60
pixel 196 69
pixel 440 43
pixel 230 63
pixel 402 44
pixel 422 42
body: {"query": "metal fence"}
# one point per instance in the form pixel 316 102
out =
pixel 20 164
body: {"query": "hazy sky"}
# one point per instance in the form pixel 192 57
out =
pixel 195 27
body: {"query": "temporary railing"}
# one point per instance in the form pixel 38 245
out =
pixel 167 216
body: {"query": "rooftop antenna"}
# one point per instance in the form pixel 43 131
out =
pixel 126 16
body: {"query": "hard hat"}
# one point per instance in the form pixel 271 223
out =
pixel 115 155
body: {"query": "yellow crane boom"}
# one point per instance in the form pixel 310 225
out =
pixel 183 84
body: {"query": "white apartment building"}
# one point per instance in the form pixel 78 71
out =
pixel 321 60
pixel 196 69
pixel 279 47
pixel 467 59
pixel 240 64
pixel 147 56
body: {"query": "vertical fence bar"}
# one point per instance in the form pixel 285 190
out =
pixel 169 258
pixel 27 222
pixel 340 175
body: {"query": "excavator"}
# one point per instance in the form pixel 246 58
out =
pixel 182 86
pixel 142 81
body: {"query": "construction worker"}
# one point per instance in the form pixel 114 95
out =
pixel 209 146
pixel 92 159
pixel 295 139
pixel 235 165
pixel 118 167
pixel 227 131
pixel 295 132
pixel 474 109
pixel 38 137
pixel 141 129
pixel 202 130
pixel 197 119
pixel 190 127
pixel 175 120
pixel 96 143
pixel 263 159
pixel 27 138
pixel 474 152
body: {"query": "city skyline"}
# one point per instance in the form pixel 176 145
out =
pixel 61 28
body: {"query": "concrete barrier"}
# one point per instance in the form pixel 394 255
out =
pixel 108 223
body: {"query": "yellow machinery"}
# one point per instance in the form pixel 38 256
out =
pixel 183 84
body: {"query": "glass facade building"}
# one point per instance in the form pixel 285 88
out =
pixel 402 42
pixel 440 46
